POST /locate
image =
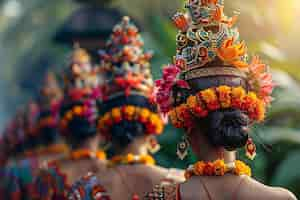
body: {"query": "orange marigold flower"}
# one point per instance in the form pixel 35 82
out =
pixel 199 168
pixel 116 113
pixel 187 175
pixel 144 115
pixel 209 169
pixel 77 110
pixel 220 167
pixel 129 112
pixel 241 168
pixel 69 115
pixel 146 159
pixel 130 158
pixel 210 98
pixel 238 94
pixel 224 96
pixel 192 101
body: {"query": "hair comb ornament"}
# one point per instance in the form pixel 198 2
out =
pixel 211 69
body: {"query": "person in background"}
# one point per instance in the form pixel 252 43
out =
pixel 77 124
pixel 215 95
pixel 128 117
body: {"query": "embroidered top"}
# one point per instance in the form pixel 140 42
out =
pixel 167 190
pixel 88 188
pixel 52 182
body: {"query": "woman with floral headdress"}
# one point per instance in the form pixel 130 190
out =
pixel 37 136
pixel 128 117
pixel 77 125
pixel 215 94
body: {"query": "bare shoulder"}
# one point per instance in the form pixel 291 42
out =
pixel 266 192
pixel 174 174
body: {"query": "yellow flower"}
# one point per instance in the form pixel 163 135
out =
pixel 220 167
pixel 145 113
pixel 224 96
pixel 241 168
pixel 159 128
pixel 238 93
pixel 154 119
pixel 129 112
pixel 209 95
pixel 192 101
pixel 146 159
pixel 116 113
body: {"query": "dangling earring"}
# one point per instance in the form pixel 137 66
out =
pixel 182 148
pixel 250 149
pixel 153 145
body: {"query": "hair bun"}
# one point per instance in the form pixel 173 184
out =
pixel 226 128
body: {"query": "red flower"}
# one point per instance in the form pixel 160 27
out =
pixel 209 169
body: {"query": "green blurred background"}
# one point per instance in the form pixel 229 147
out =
pixel 269 27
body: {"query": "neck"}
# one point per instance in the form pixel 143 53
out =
pixel 90 144
pixel 137 147
pixel 206 152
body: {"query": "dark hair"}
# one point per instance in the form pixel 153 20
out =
pixel 123 133
pixel 226 128
pixel 48 135
pixel 79 129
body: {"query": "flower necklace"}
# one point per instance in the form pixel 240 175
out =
pixel 53 149
pixel 131 159
pixel 86 153
pixel 217 168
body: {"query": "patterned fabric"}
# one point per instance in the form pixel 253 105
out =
pixel 167 190
pixel 9 185
pixel 88 188
pixel 51 184
pixel 27 173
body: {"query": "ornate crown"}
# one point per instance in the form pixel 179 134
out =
pixel 82 89
pixel 128 86
pixel 211 68
pixel 125 65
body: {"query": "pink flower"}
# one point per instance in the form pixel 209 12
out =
pixel 260 80
pixel 164 86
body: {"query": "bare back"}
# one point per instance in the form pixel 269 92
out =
pixel 124 181
pixel 230 187
pixel 74 170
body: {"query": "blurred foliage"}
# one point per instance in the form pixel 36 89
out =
pixel 270 28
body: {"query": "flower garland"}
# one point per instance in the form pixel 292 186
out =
pixel 152 121
pixel 53 149
pixel 83 111
pixel 222 97
pixel 131 159
pixel 85 153
pixel 217 168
